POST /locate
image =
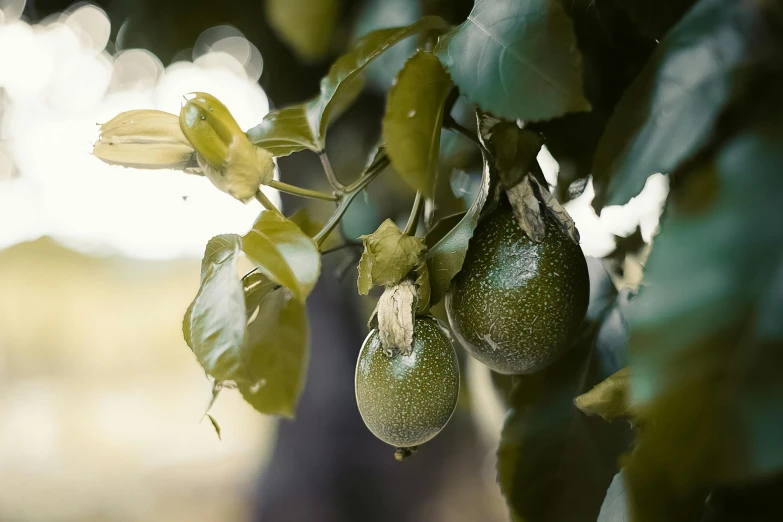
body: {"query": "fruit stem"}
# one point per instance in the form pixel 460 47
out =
pixel 351 191
pixel 413 219
pixel 302 192
pixel 330 175
pixel 261 197
pixel 451 124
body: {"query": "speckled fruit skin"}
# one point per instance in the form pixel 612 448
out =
pixel 406 400
pixel 515 303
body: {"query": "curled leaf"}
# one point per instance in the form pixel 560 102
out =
pixel 445 258
pixel 146 139
pixel 514 150
pixel 610 398
pixel 527 209
pixel 556 211
pixel 395 315
pixel 389 256
pixel 422 283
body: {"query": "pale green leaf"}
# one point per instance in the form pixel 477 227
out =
pixel 285 131
pixel 518 60
pixel 389 256
pixel 276 350
pixel 283 253
pixel 414 115
pixel 215 325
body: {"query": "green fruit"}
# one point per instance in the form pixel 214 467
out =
pixel 406 400
pixel 515 304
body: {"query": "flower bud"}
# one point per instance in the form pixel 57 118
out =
pixel 144 139
pixel 225 154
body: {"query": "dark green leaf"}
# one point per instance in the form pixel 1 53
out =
pixel 306 25
pixel 613 54
pixel 304 126
pixel 669 111
pixel 412 124
pixel 336 86
pixel 216 323
pixel 445 258
pixel 654 18
pixel 389 256
pixel 517 60
pixel 285 131
pixel 609 398
pixel 514 150
pixel 705 353
pixel 283 253
pixel 555 464
pixel 276 351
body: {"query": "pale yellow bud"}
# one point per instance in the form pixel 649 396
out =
pixel 146 139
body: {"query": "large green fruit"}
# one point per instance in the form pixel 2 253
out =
pixel 515 304
pixel 406 400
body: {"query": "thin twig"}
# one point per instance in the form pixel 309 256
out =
pixel 352 191
pixel 261 197
pixel 352 244
pixel 302 192
pixel 330 175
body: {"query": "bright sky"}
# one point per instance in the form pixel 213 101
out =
pixel 57 81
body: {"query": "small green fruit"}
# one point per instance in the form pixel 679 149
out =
pixel 406 400
pixel 515 304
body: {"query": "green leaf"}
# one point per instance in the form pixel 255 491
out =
pixel 414 115
pixel 669 111
pixel 517 60
pixel 276 350
pixel 514 150
pixel 215 326
pixel 422 283
pixel 610 398
pixel 441 228
pixel 285 131
pixel 654 18
pixel 304 126
pixel 445 258
pixel 283 253
pixel 706 347
pixel 389 256
pixel 306 25
pixel 311 227
pixel 555 464
pixel 215 425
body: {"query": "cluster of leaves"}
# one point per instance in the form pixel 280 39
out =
pixel 618 90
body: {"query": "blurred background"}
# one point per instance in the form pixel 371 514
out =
pixel 101 402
